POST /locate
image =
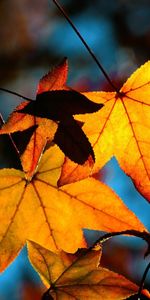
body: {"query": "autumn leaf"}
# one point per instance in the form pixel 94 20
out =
pixel 100 136
pixel 61 105
pixel 73 142
pixel 45 129
pixel 56 105
pixel 54 217
pixel 72 172
pixel 81 279
pixel 55 79
pixel 122 128
pixel 22 139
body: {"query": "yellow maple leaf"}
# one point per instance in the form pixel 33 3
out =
pixel 121 128
pixel 37 209
pixel 81 278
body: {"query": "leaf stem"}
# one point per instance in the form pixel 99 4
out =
pixel 47 295
pixel 86 45
pixel 16 94
pixel 143 281
pixel 143 235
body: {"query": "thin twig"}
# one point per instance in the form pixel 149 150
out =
pixel 16 94
pixel 86 45
pixel 143 235
pixel 143 281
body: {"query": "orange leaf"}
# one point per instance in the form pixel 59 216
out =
pixel 38 210
pixel 45 131
pixel 72 172
pixel 48 264
pixel 55 79
pixel 81 279
pixel 59 106
pixel 122 128
pixel 98 129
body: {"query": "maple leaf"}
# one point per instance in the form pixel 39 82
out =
pixel 121 128
pixel 37 209
pixel 57 105
pixel 81 278
pixel 55 79
pixel 46 129
pixel 60 106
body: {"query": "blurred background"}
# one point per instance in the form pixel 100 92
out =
pixel 34 38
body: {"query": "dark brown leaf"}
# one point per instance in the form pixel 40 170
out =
pixel 58 105
pixel 72 141
pixel 22 139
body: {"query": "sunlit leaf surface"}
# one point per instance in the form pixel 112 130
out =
pixel 52 216
pixel 122 128
pixel 55 79
pixel 52 116
pixel 45 130
pixel 81 279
